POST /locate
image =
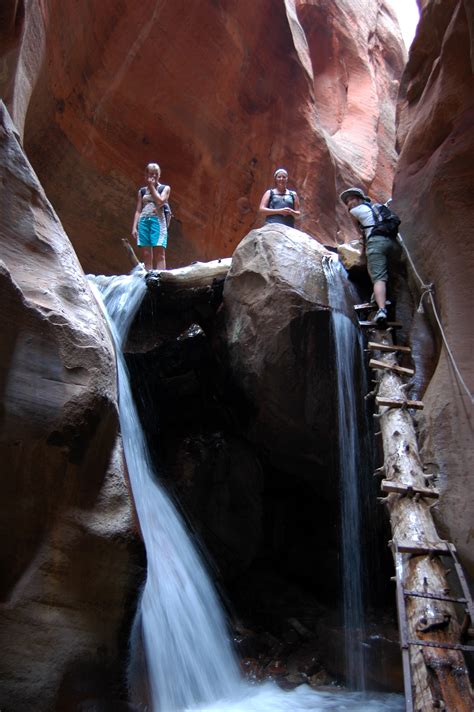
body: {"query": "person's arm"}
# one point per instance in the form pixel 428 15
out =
pixel 138 210
pixel 296 212
pixel 360 230
pixel 158 198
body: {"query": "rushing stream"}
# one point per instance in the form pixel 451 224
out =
pixel 190 661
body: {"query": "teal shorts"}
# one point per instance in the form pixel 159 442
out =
pixel 382 253
pixel 148 231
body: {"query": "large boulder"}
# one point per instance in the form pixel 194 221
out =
pixel 66 524
pixel 433 194
pixel 278 337
pixel 309 85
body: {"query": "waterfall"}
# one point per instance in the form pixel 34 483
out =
pixel 189 656
pixel 190 663
pixel 348 347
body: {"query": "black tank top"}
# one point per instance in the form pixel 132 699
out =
pixel 278 201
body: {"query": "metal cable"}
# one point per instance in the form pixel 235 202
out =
pixel 427 289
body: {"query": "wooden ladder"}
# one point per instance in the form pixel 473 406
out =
pixel 434 679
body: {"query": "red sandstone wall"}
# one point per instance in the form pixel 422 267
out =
pixel 220 94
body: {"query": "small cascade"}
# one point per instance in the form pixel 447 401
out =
pixel 189 656
pixel 190 663
pixel 353 458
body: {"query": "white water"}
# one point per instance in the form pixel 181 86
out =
pixel 190 662
pixel 348 351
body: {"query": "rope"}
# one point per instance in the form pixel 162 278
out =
pixel 428 289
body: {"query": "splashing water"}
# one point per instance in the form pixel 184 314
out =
pixel 348 350
pixel 190 662
pixel 187 649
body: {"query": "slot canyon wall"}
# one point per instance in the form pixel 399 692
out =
pixel 220 94
pixel 433 194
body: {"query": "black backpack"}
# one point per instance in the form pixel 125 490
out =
pixel 386 222
pixel 166 207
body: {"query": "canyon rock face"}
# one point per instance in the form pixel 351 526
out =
pixel 433 194
pixel 219 94
pixel 66 521
pixel 278 340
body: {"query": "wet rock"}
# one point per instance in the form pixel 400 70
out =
pixel 320 679
pixel 277 341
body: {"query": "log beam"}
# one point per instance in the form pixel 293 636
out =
pixel 438 675
pixel 393 403
pixel 377 364
pixel 374 346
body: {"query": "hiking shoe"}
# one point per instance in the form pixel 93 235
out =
pixel 381 317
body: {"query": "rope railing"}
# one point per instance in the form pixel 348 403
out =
pixel 428 289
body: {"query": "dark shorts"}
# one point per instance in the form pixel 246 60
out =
pixel 281 220
pixel 382 253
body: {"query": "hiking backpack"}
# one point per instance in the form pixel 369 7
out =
pixel 386 222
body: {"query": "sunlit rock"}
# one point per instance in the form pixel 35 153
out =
pixel 309 85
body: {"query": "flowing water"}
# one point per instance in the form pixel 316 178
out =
pixel 189 658
pixel 352 472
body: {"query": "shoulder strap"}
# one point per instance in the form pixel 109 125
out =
pixel 142 191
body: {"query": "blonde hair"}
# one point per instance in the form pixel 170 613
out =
pixel 153 167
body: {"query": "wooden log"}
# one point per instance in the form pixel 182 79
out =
pixel 130 252
pixel 197 275
pixel 376 363
pixel 438 674
pixel 374 346
pixel 392 403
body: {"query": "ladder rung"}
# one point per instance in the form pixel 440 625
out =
pixel 437 644
pixel 434 596
pixel 374 346
pixel 412 547
pixel 375 363
pixel 393 403
pixel 370 305
pixel 365 306
pixel 373 325
pixel 409 490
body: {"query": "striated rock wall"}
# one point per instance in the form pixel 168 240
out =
pixel 433 193
pixel 220 94
pixel 66 525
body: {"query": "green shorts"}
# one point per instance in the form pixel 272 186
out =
pixel 382 252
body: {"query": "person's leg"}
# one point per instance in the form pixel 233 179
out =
pixel 380 293
pixel 159 258
pixel 144 242
pixel 147 256
pixel 377 264
pixel 154 238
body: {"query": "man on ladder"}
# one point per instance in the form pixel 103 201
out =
pixel 379 227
